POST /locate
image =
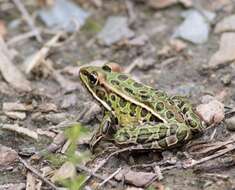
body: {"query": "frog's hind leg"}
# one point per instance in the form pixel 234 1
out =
pixel 189 114
pixel 161 136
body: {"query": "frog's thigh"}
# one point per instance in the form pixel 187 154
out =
pixel 160 136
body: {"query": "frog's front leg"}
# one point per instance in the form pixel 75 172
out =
pixel 160 136
pixel 103 130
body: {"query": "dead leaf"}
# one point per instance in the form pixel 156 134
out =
pixel 7 156
pixel 10 72
pixel 139 179
pixel 178 45
pixel 225 54
pixel 69 101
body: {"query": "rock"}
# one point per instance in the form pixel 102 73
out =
pixel 226 25
pixel 64 14
pixel 199 23
pixel 66 171
pixel 13 186
pixel 226 79
pixel 178 45
pixel 139 179
pixel 15 106
pixel 15 115
pixel 69 100
pixel 47 107
pixel 115 29
pixel 230 123
pixel 225 54
pixel 212 112
pixel 7 156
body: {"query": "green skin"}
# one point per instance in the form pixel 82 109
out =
pixel 138 115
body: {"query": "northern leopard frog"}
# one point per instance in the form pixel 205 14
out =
pixel 136 114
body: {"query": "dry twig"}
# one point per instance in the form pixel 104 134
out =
pixel 37 173
pixel 28 19
pixel 110 177
pixel 92 173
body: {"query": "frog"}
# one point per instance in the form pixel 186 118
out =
pixel 138 115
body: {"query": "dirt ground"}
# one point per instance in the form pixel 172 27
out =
pixel 176 72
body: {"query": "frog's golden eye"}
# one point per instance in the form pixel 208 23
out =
pixel 93 78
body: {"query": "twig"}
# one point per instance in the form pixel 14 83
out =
pixel 28 19
pixel 110 177
pixel 220 153
pixel 20 37
pixel 92 173
pixel 35 172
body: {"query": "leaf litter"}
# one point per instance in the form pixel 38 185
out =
pixel 65 103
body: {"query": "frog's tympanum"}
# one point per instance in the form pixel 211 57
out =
pixel 136 114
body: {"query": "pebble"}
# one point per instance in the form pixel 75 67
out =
pixel 64 14
pixel 226 79
pixel 199 23
pixel 225 54
pixel 115 29
pixel 226 25
pixel 230 123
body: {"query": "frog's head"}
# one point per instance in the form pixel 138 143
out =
pixel 94 79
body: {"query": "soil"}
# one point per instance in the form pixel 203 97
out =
pixel 185 75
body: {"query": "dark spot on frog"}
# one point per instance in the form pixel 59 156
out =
pixel 115 82
pixel 159 106
pixel 143 92
pixel 145 97
pixel 113 97
pixel 122 77
pixel 133 107
pixel 137 85
pixel 100 93
pixel 169 114
pixel 130 91
pixel 122 102
pixel 107 68
pixel 143 112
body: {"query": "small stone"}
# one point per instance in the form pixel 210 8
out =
pixel 7 156
pixel 225 54
pixel 56 118
pixel 15 114
pixel 115 29
pixel 64 14
pixel 69 101
pixel 139 179
pixel 226 25
pixel 230 123
pixel 226 79
pixel 212 112
pixel 200 25
pixel 66 171
pixel 178 45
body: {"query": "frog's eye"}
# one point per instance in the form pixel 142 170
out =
pixel 93 78
pixel 107 68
